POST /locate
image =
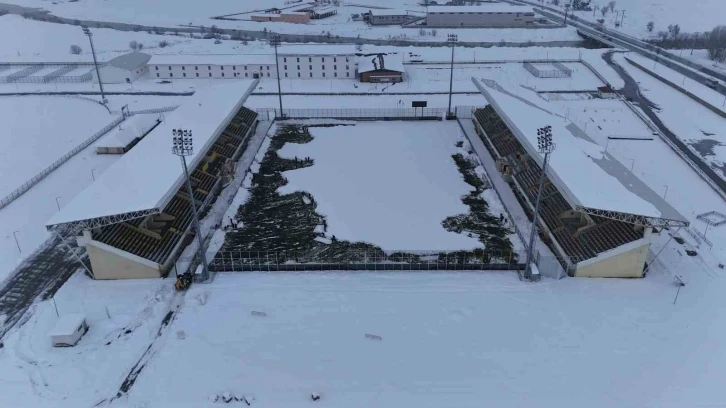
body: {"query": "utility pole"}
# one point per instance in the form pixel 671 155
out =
pixel 15 235
pixel 183 146
pixel 451 39
pixel 87 32
pixel 545 146
pixel 622 18
pixel 275 42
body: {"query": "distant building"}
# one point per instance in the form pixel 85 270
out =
pixel 380 68
pixel 606 92
pixel 297 17
pixel 388 17
pixel 123 69
pixel 487 15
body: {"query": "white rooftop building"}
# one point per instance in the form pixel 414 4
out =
pixel 485 15
pixel 123 69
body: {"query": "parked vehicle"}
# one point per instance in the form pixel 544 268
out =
pixel 712 83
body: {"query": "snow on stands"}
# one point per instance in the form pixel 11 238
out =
pixel 144 177
pixel 386 183
pixel 578 160
pixel 39 130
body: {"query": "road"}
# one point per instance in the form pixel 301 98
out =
pixel 43 15
pixel 632 92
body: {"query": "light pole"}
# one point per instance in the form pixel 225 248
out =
pixel 182 146
pixel 93 176
pixel 16 240
pixel 87 32
pixel 275 42
pixel 56 202
pixel 545 146
pixel 451 39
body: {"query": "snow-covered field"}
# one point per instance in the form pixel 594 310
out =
pixel 693 123
pixel 387 183
pixel 39 130
pixel 692 16
pixel 167 13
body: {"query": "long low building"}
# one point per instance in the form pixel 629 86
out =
pixel 596 215
pixel 486 15
pixel 326 62
pixel 136 218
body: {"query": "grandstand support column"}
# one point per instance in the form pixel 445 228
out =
pixel 545 146
pixel 183 147
pixel 451 39
pixel 275 42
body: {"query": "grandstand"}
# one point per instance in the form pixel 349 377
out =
pixel 136 218
pixel 595 214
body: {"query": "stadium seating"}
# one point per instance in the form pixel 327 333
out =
pixel 155 237
pixel 604 235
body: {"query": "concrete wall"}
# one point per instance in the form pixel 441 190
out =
pixel 464 19
pixel 109 263
pixel 628 264
pixel 291 66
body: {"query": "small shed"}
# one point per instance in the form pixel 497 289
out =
pixel 606 92
pixel 380 68
pixel 69 329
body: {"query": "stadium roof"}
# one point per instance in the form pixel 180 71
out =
pixel 591 179
pixel 372 62
pixel 484 8
pixel 144 180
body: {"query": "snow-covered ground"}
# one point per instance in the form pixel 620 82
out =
pixel 387 183
pixel 167 13
pixel 701 57
pixel 693 123
pixel 692 16
pixel 40 130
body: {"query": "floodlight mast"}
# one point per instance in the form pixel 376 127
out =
pixel 182 146
pixel 275 42
pixel 87 32
pixel 545 146
pixel 451 39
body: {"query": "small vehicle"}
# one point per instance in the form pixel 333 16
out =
pixel 712 83
pixel 414 57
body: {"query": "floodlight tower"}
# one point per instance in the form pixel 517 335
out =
pixel 87 32
pixel 451 39
pixel 545 146
pixel 182 146
pixel 275 42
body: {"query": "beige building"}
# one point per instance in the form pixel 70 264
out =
pixel 486 15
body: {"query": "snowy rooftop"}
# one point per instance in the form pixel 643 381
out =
pixel 148 175
pixel 392 62
pixel 126 132
pixel 581 169
pixel 67 325
pixel 485 8
pixel 212 59
pixel 317 49
pixel 388 12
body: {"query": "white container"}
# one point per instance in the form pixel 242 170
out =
pixel 69 329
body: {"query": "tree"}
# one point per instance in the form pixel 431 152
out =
pixel 140 46
pixel 716 44
pixel 556 2
pixel 650 26
pixel 75 49
pixel 163 43
pixel 674 30
pixel 611 4
pixel 77 22
pixel 134 45
pixel 433 32
pixel 604 11
pixel 421 32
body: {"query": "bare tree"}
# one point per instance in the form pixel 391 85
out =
pixel 163 43
pixel 716 44
pixel 650 26
pixel 611 4
pixel 75 49
pixel 604 11
pixel 556 2
pixel 140 46
pixel 433 32
pixel 134 45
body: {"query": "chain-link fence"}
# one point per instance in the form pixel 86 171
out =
pixel 363 260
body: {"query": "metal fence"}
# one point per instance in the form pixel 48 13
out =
pixel 557 70
pixel 155 110
pixel 45 172
pixel 363 260
pixel 355 114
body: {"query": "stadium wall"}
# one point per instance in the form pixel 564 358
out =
pixel 111 263
pixel 629 264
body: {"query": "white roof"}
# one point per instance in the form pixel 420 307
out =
pixel 484 8
pixel 391 62
pixel 388 12
pixel 130 61
pixel 67 325
pixel 581 169
pixel 316 49
pixel 148 175
pixel 212 59
pixel 130 129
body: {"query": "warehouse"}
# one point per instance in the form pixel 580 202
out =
pixel 388 17
pixel 490 15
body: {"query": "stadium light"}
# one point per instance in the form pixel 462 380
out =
pixel 275 42
pixel 183 146
pixel 545 146
pixel 451 39
pixel 87 32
